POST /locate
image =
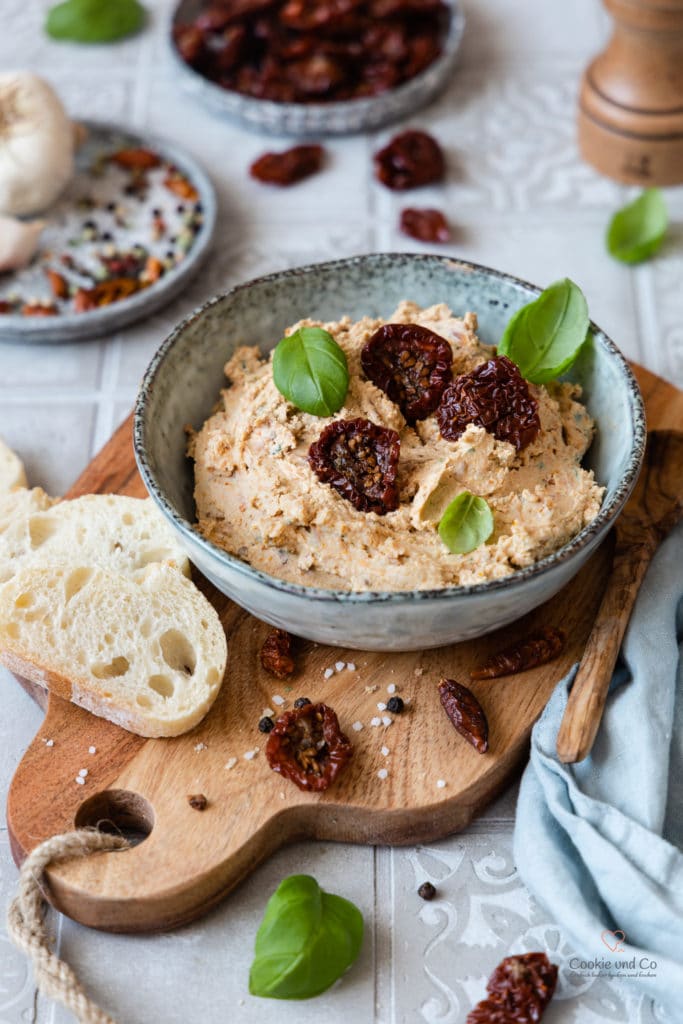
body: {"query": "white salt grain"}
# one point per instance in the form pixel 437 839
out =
pixel 49 743
pixel 381 706
pixel 83 773
pixel 278 701
pixel 340 665
pixel 250 755
pixel 391 688
pixel 382 773
pixel 357 726
pixel 418 672
pixel 328 673
pixel 385 751
pixel 267 713
pixel 231 763
pixel 440 783
pixel 79 780
pixel 386 720
pixel 350 666
pixel 92 750
pixel 200 746
pixel 375 722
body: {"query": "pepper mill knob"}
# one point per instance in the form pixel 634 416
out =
pixel 631 100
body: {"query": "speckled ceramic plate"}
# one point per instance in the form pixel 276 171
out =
pixel 306 119
pixel 95 216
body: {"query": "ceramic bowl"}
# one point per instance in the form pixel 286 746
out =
pixel 305 119
pixel 183 380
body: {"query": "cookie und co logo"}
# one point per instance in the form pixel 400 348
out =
pixel 614 940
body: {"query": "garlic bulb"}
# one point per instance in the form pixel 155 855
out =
pixel 36 144
pixel 18 242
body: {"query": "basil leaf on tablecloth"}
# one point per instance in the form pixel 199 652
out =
pixel 310 370
pixel 636 232
pixel 307 939
pixel 466 524
pixel 95 21
pixel 544 337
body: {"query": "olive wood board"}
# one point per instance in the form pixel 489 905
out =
pixel 190 859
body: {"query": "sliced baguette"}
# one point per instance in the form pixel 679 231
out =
pixel 108 530
pixel 12 475
pixel 147 653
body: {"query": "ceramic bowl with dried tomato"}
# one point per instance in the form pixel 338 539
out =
pixel 180 388
pixel 315 67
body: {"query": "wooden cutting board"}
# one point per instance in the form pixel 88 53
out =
pixel 190 859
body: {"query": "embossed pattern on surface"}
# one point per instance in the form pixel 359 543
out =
pixel 518 198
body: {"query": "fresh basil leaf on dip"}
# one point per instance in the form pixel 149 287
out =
pixel 636 232
pixel 466 524
pixel 310 370
pixel 544 337
pixel 95 21
pixel 307 939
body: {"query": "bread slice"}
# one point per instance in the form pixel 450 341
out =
pixel 12 475
pixel 108 530
pixel 17 506
pixel 148 653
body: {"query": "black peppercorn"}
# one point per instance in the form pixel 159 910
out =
pixel 198 801
pixel 427 891
pixel 395 705
pixel 266 724
pixel 301 702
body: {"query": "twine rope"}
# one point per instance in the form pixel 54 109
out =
pixel 26 919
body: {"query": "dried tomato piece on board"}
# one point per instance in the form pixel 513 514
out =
pixel 360 460
pixel 536 649
pixel 496 397
pixel 491 1011
pixel 411 364
pixel 519 991
pixel 276 654
pixel 465 713
pixel 307 746
pixel 410 159
pixel 425 225
pixel 307 15
pixel 288 167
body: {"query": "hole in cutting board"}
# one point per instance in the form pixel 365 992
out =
pixel 118 812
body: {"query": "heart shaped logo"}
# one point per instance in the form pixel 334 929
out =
pixel 614 940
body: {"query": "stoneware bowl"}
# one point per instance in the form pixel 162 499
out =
pixel 183 381
pixel 305 119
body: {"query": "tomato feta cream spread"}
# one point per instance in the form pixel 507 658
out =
pixel 356 500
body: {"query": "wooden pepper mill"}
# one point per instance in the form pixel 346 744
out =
pixel 631 101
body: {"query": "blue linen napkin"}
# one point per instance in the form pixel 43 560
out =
pixel 600 843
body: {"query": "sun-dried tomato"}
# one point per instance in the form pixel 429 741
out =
pixel 315 75
pixel 189 41
pixel 360 460
pixel 536 649
pixel 39 309
pixel 288 167
pixel 411 364
pixel 179 185
pixel 412 158
pixel 466 713
pixel 137 159
pixel 491 1011
pixel 425 225
pixel 6 307
pixel 309 15
pixel 527 978
pixel 496 397
pixel 307 746
pixel 58 284
pixel 105 293
pixel 276 654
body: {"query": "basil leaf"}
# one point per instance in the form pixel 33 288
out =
pixel 94 21
pixel 544 337
pixel 310 370
pixel 307 940
pixel 466 524
pixel 636 232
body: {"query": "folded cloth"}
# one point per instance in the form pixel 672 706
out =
pixel 600 843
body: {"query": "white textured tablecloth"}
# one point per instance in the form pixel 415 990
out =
pixel 521 201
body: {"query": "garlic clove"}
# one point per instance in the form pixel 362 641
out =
pixel 36 144
pixel 18 242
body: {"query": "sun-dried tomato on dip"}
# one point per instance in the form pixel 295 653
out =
pixel 307 746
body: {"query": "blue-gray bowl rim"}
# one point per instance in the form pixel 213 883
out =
pixel 606 516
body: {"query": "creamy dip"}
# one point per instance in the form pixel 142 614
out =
pixel 258 498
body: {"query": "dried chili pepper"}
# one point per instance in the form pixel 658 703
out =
pixel 360 460
pixel 105 293
pixel 411 159
pixel 494 396
pixel 308 747
pixel 411 364
pixel 289 167
pixel 425 225
pixel 536 649
pixel 519 991
pixel 465 713
pixel 39 309
pixel 136 159
pixel 58 284
pixel 276 654
pixel 179 185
